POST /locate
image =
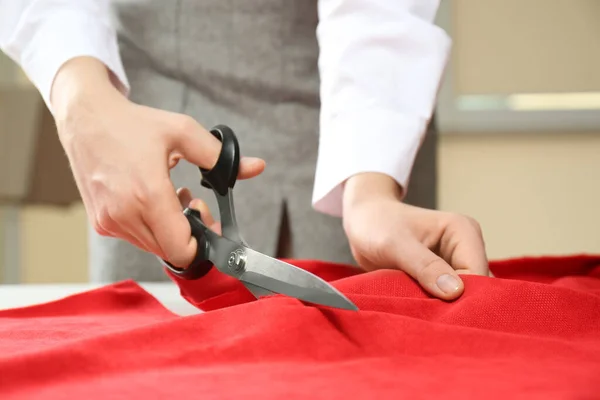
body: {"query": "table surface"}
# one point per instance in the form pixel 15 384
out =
pixel 22 295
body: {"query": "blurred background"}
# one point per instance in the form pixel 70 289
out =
pixel 519 149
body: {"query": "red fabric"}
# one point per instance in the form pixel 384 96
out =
pixel 532 332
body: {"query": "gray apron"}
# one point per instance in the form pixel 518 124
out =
pixel 251 65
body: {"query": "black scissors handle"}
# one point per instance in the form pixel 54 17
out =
pixel 220 178
pixel 223 175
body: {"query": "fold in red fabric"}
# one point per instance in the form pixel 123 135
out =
pixel 533 332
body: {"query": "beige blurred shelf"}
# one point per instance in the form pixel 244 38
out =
pixel 521 66
pixel 19 119
pixel 526 46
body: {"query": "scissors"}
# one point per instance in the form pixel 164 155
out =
pixel 230 254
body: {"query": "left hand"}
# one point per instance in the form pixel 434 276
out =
pixel 433 247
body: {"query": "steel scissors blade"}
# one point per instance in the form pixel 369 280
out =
pixel 262 275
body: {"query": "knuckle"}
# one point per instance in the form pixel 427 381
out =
pixel 383 242
pixel 118 213
pixel 141 194
pixel 98 228
pixel 103 221
pixel 471 223
pixel 456 219
pixel 464 221
pixel 97 184
pixel 185 124
pixel 110 217
pixel 477 226
pixel 377 247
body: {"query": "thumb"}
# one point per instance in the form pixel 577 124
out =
pixel 198 146
pixel 434 274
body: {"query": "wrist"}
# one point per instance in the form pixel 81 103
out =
pixel 370 185
pixel 80 84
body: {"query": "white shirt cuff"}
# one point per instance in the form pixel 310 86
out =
pixel 48 40
pixel 374 141
pixel 381 63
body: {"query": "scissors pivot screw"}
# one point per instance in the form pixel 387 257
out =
pixel 237 260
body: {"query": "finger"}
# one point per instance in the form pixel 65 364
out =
pixel 251 167
pixel 169 226
pixel 102 231
pixel 90 209
pixel 462 246
pixel 434 274
pixel 132 230
pixel 123 234
pixel 205 213
pixel 185 197
pixel 144 237
pixel 195 143
pixel 215 227
pixel 132 239
pixel 125 229
pixel 201 148
pixel 186 200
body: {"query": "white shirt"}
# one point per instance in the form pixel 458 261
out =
pixel 380 62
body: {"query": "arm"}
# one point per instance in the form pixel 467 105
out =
pixel 381 62
pixel 120 152
pixel 41 36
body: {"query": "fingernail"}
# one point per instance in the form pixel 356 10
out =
pixel 448 284
pixel 252 160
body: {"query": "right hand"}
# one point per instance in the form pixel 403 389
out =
pixel 433 247
pixel 121 153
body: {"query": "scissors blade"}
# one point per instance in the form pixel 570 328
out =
pixel 280 277
pixel 258 292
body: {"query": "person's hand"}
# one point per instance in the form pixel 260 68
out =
pixel 188 201
pixel 121 153
pixel 433 247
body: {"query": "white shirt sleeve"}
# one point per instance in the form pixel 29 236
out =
pixel 381 63
pixel 41 35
